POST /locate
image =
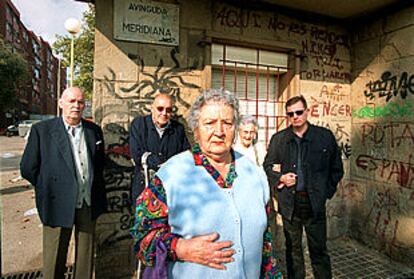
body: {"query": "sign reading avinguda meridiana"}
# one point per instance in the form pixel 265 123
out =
pixel 146 21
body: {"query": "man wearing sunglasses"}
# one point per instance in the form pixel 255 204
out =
pixel 304 165
pixel 154 139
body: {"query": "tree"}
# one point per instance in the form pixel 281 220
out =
pixel 13 73
pixel 83 58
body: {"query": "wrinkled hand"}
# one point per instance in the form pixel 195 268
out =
pixel 288 179
pixel 205 250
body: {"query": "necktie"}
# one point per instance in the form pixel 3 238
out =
pixel 72 131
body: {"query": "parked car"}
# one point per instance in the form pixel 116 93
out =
pixel 25 126
pixel 13 130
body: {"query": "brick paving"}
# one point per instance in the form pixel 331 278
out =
pixel 352 260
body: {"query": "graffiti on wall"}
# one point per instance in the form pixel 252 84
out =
pixel 331 102
pixel 386 142
pixel 388 110
pixel 349 191
pixel 380 217
pixel 330 109
pixel 390 86
pixel 162 80
pixel 325 62
pixel 389 170
pixel 118 176
pixel 112 234
pixel 394 134
pixel 234 17
pixel 325 75
pixel 321 47
pixel 382 154
pixel 341 135
pixel 239 18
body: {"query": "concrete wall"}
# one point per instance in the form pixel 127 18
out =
pixel 382 167
pixel 128 75
pixel 126 78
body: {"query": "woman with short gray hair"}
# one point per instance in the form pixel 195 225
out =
pixel 204 215
pixel 218 96
pixel 247 141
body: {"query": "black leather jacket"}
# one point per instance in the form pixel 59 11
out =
pixel 322 167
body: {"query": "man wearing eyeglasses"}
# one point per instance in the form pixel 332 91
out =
pixel 154 139
pixel 304 165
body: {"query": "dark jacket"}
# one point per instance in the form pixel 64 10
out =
pixel 322 167
pixel 144 138
pixel 48 164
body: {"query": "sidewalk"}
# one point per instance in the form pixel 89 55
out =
pixel 21 227
pixel 353 260
pixel 350 260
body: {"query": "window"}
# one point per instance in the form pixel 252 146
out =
pixel 259 78
pixel 38 61
pixel 35 47
pixel 25 36
pixel 8 11
pixel 9 30
pixel 36 73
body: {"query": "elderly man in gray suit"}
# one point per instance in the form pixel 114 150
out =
pixel 64 160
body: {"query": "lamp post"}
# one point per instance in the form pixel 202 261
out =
pixel 73 26
pixel 58 90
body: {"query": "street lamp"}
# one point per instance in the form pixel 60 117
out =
pixel 73 26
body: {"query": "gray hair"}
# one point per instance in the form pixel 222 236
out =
pixel 215 96
pixel 249 119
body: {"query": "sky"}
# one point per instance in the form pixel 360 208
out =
pixel 47 17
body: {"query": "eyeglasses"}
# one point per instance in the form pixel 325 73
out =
pixel 167 109
pixel 298 113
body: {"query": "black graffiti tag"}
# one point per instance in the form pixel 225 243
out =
pixel 390 86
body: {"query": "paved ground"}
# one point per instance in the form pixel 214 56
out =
pixel 22 235
pixel 352 260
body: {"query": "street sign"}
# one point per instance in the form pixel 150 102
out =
pixel 146 21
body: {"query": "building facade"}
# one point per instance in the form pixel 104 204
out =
pixel 356 71
pixel 38 96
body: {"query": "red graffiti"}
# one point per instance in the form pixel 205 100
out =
pixel 381 214
pixel 330 109
pixel 350 190
pixel 400 172
pixel 119 150
pixel 393 133
pixel 334 94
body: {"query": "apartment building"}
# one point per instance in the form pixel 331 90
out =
pixel 39 95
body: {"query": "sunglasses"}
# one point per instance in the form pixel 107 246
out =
pixel 167 109
pixel 298 113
